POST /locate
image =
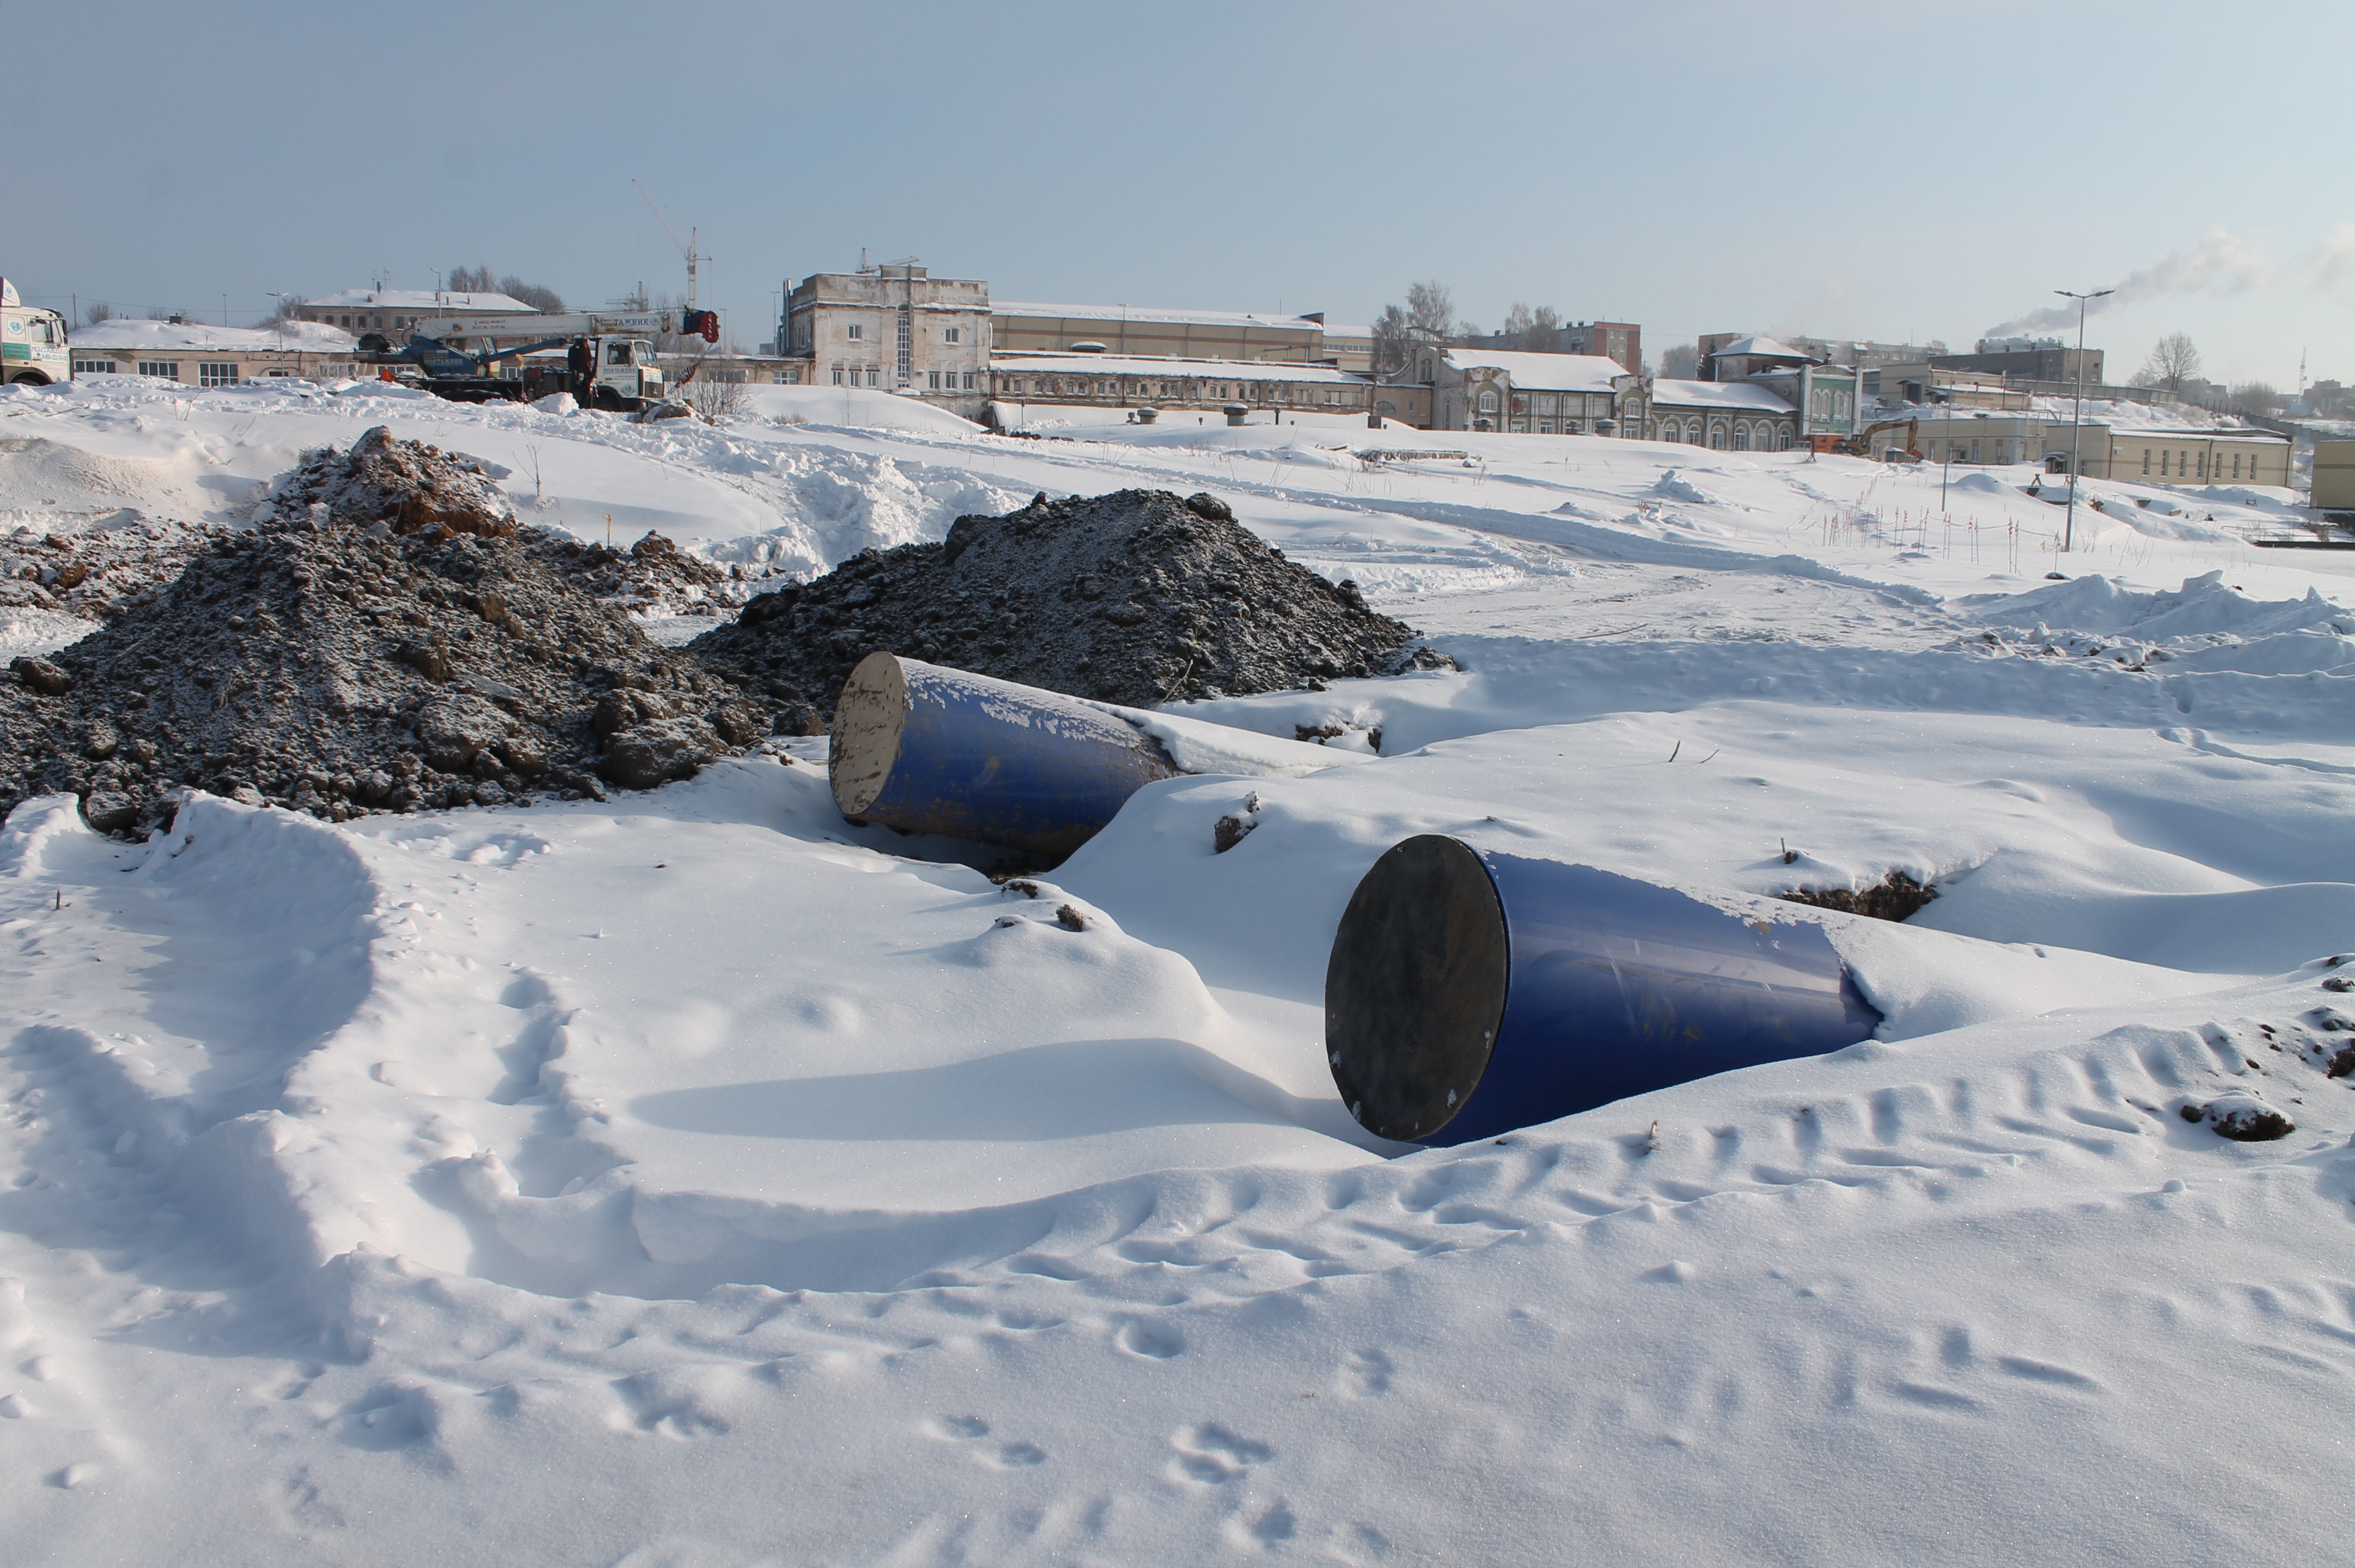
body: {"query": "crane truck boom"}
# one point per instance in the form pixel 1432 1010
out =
pixel 609 359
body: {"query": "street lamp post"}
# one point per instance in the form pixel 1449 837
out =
pixel 2077 419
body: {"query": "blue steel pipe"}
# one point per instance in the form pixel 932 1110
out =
pixel 1470 993
pixel 934 750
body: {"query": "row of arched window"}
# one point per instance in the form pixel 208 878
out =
pixel 1738 435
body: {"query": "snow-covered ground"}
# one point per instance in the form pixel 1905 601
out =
pixel 697 1179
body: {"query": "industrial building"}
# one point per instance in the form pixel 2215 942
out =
pixel 1138 331
pixel 2199 457
pixel 2028 359
pixel 392 310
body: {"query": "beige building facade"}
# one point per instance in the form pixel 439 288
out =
pixel 2334 476
pixel 1156 333
pixel 1510 391
pixel 1134 381
pixel 2199 457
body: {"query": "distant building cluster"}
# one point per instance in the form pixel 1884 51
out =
pixel 896 327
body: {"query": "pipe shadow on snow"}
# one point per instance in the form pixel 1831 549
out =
pixel 1070 1089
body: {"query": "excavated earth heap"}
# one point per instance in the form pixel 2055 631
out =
pixel 1136 597
pixel 340 662
pixel 100 570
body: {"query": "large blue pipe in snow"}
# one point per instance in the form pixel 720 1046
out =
pixel 934 749
pixel 1470 993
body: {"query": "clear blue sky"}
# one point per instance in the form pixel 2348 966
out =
pixel 1889 170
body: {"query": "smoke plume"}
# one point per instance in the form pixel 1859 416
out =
pixel 2223 264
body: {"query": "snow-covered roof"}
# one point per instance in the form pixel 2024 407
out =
pixel 1199 370
pixel 445 303
pixel 1544 372
pixel 1144 316
pixel 1717 395
pixel 315 336
pixel 1761 347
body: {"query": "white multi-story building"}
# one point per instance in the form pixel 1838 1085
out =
pixel 896 328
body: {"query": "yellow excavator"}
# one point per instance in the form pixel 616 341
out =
pixel 1861 444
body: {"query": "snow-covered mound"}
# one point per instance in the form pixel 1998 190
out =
pixel 854 408
pixel 637 1182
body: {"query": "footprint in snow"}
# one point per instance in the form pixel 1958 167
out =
pixel 962 1429
pixel 1212 1456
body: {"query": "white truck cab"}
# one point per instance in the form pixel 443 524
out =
pixel 32 342
pixel 625 368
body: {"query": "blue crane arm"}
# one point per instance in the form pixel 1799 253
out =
pixel 439 359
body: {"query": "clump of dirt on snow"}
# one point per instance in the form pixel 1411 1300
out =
pixel 1136 597
pixel 346 668
pixel 1894 897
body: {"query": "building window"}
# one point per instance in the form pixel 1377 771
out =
pixel 1545 427
pixel 169 369
pixel 2145 462
pixel 1741 438
pixel 837 375
pixel 874 377
pixel 968 380
pixel 2236 465
pixel 855 331
pixel 216 375
pixel 93 366
pixel 952 334
pixel 1488 403
pixel 935 384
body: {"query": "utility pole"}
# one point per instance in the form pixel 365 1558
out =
pixel 2077 420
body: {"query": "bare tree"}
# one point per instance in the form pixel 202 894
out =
pixel 1681 363
pixel 1393 339
pixel 1428 317
pixel 289 307
pixel 1431 307
pixel 2173 361
pixel 716 400
pixel 1534 331
pixel 2254 398
pixel 96 311
pixel 481 281
pixel 539 296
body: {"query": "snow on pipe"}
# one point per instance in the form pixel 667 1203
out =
pixel 933 749
pixel 1470 993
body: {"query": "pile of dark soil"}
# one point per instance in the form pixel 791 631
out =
pixel 430 655
pixel 406 485
pixel 1136 597
pixel 654 574
pixel 1894 897
pixel 102 570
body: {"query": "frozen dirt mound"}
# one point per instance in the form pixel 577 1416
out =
pixel 1136 597
pixel 340 670
pixel 389 485
pixel 401 486
pixel 100 570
